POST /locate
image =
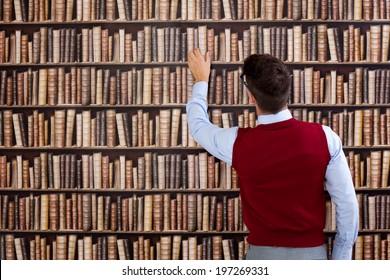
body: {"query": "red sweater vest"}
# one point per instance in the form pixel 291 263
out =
pixel 281 167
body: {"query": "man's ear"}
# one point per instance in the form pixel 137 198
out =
pixel 252 99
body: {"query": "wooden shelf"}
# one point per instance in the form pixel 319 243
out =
pixel 108 232
pixel 192 22
pixel 183 63
pixel 148 149
pixel 167 232
pixel 182 105
pixel 119 191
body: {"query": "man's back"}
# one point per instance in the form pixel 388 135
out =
pixel 283 162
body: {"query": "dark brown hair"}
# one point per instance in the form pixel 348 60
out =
pixel 269 81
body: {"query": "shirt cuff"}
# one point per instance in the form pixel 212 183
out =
pixel 343 252
pixel 200 89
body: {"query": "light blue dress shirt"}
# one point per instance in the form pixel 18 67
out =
pixel 219 142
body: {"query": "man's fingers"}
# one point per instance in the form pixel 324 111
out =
pixel 208 58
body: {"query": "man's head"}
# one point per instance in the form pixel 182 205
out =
pixel 268 80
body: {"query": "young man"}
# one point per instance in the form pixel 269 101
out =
pixel 282 165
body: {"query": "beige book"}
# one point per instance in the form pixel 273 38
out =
pixel 44 218
pixel 203 170
pixel 297 34
pixel 148 212
pixel 385 169
pixel 332 44
pixel 166 250
pixel 175 126
pixel 177 239
pixel 375 169
pixel 385 42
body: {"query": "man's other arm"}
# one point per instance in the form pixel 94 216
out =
pixel 339 184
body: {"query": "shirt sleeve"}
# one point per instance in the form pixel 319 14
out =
pixel 338 182
pixel 217 141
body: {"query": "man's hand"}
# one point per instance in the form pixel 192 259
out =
pixel 199 66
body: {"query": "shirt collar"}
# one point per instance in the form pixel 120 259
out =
pixel 273 118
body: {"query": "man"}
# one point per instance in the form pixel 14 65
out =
pixel 282 165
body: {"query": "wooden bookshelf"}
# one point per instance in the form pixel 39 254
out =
pixel 42 81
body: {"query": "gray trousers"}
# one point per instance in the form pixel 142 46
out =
pixel 285 253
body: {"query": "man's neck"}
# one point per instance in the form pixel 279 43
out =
pixel 261 112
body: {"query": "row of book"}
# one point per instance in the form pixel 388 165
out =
pixel 374 212
pixel 356 128
pixel 168 128
pixel 371 172
pixel 110 247
pixel 171 44
pixel 95 171
pixel 155 212
pixel 171 247
pixel 372 247
pixel 163 85
pixel 362 86
pixel 108 129
pixel 85 10
pixel 155 172
pixel 139 213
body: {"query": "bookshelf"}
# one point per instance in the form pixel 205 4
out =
pixel 96 159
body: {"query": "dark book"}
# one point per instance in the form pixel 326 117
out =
pixel 184 46
pixel 309 42
pixel 102 11
pixel 365 211
pixel 1 134
pixel 50 44
pixel 78 48
pixel 224 86
pixel 2 247
pixel 184 177
pixel 177 44
pixel 3 87
pixel 204 248
pixel 211 91
pixel 72 45
pixel 118 86
pixel 224 213
pixel 107 212
pixel 330 11
pixel 103 128
pixel 104 246
pixel 382 86
pixel 14 87
pixel 106 86
pixel 337 39
pixel 387 91
pixel 127 247
pixel 23 129
pixel 24 9
pixel 172 172
pixel 79 172
pixel 213 208
pixel 16 211
pixel 232 251
pixel 377 85
pixel 73 163
pixel 100 248
pixel 126 124
pixel 260 42
pixel 127 5
pixel 314 44
pixel 119 212
pixel 273 41
pixel 365 85
pixel 4 212
pixel 382 221
pixel 378 211
pixel 24 246
pixel 50 172
pixel 178 171
pixel 62 171
pixel 233 10
pixel 155 171
pixel 67 170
